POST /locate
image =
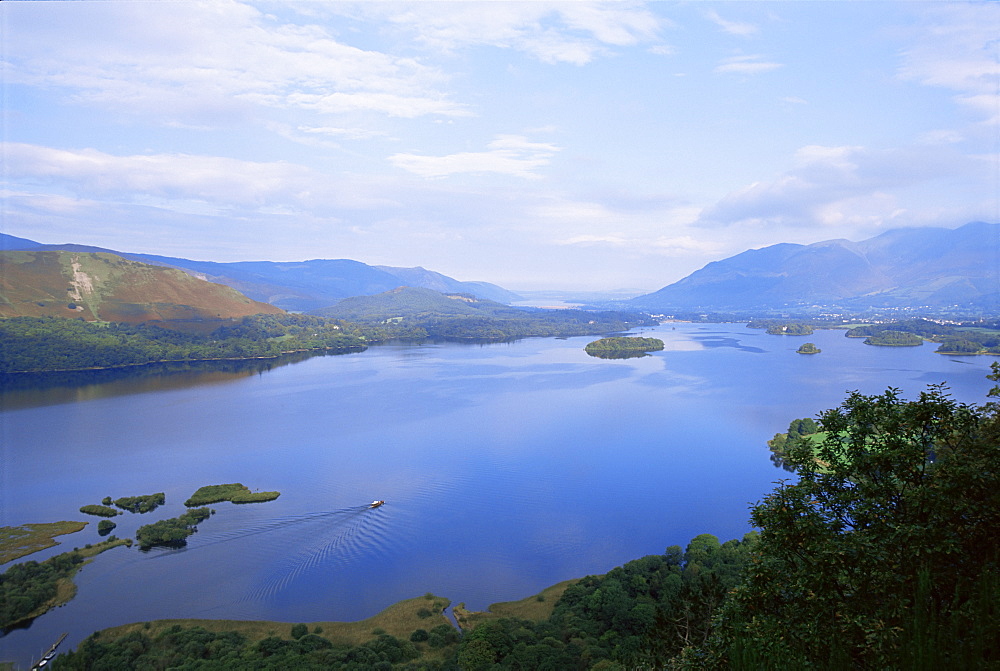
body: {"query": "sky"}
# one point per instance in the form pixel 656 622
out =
pixel 535 145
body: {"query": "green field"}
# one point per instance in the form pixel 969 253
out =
pixel 17 542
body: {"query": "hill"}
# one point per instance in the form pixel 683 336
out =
pixel 100 286
pixel 295 285
pixel 902 268
pixel 413 312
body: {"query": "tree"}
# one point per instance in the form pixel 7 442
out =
pixel 884 554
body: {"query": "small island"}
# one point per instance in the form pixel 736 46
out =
pixel 235 492
pixel 894 339
pixel 808 348
pixel 790 329
pixel 623 347
pixel 172 532
pixel 138 504
pixel 99 510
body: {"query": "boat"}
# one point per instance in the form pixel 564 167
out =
pixel 376 504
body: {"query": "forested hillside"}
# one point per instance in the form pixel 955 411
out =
pixel 50 343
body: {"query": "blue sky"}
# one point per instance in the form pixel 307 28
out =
pixel 537 145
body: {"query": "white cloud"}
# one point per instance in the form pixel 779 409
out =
pixel 190 182
pixel 507 154
pixel 956 47
pixel 552 32
pixel 746 65
pixel 731 27
pixel 208 178
pixel 203 63
pixel 856 187
pixel 587 239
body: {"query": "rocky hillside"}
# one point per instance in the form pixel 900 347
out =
pixel 100 286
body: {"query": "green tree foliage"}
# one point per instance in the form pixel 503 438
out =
pixel 613 347
pixel 895 339
pixel 922 327
pixel 235 492
pixel 141 504
pixel 192 648
pixel 104 527
pixel 51 343
pixel 887 557
pixel 101 511
pixel 790 329
pixel 25 588
pixel 971 343
pixel 798 429
pixel 171 532
pixel 808 348
pixel 640 614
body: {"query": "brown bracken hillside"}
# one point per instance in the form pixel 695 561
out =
pixel 106 287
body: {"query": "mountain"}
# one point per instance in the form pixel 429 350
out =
pixel 301 285
pixel 428 279
pixel 901 268
pixel 102 286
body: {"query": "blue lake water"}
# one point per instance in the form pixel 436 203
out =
pixel 506 467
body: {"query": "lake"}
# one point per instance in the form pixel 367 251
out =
pixel 505 467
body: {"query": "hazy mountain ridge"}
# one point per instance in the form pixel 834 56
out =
pixel 908 267
pixel 103 286
pixel 295 285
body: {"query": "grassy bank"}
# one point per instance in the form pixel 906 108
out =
pixel 17 542
pixel 537 607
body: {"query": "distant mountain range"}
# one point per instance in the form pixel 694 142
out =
pixel 901 268
pixel 934 268
pixel 101 286
pixel 298 285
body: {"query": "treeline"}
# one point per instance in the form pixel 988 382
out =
pixel 786 327
pixel 640 615
pixel 35 344
pixel 51 343
pixel 964 339
pixel 895 339
pixel 625 344
pixel 506 326
pixel 790 329
pixel 197 648
pixel 27 587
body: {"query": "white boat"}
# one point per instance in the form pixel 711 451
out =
pixel 376 504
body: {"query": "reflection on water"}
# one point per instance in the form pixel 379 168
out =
pixel 618 355
pixel 25 390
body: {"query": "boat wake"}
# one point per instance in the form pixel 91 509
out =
pixel 347 539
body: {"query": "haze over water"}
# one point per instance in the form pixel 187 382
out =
pixel 506 467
